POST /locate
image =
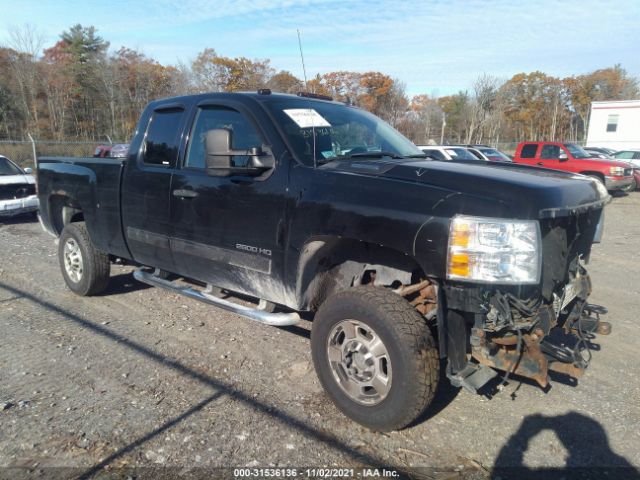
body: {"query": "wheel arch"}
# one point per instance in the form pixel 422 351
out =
pixel 600 175
pixel 64 209
pixel 329 264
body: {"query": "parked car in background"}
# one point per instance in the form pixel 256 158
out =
pixel 102 151
pixel 447 152
pixel 17 189
pixel 117 150
pixel 633 157
pixel 600 150
pixel 485 152
pixel 569 157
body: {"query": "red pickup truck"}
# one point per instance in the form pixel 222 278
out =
pixel 570 157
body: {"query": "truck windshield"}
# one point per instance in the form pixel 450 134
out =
pixel 576 151
pixel 8 168
pixel 458 153
pixel 493 154
pixel 320 131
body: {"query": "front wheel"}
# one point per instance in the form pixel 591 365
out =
pixel 85 269
pixel 375 357
pixel 630 188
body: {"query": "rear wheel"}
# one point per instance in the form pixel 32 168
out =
pixel 85 269
pixel 375 357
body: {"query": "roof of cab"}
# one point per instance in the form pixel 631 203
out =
pixel 243 96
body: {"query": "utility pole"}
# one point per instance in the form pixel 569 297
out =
pixel 444 124
pixel 33 147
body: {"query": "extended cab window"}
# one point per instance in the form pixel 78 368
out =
pixel 529 150
pixel 161 143
pixel 550 152
pixel 243 134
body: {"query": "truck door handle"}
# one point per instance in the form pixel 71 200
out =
pixel 184 193
pixel 540 163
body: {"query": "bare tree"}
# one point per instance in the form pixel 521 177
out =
pixel 27 43
pixel 485 90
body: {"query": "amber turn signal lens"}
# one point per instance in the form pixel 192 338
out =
pixel 460 235
pixel 459 264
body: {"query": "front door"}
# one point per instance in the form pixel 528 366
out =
pixel 557 157
pixel 227 230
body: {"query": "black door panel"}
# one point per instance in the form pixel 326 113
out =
pixel 227 233
pixel 146 190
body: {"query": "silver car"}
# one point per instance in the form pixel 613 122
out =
pixel 17 189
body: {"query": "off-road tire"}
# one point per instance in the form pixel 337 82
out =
pixel 410 345
pixel 96 264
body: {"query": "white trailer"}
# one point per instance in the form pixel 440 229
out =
pixel 614 124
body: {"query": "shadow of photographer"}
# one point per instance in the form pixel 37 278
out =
pixel 586 442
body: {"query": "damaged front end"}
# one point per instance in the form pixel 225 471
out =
pixel 529 340
pixel 525 330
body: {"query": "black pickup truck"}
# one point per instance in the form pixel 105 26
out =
pixel 302 204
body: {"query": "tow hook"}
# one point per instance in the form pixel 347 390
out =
pixel 590 322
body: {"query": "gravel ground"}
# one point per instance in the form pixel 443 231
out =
pixel 140 377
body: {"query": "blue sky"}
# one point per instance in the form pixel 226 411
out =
pixel 434 47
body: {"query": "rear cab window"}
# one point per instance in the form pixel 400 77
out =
pixel 529 150
pixel 162 140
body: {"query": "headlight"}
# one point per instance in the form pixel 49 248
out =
pixel 617 171
pixel 494 250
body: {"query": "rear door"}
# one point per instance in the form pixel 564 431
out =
pixel 146 187
pixel 228 230
pixel 528 154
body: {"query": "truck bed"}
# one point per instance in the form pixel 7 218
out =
pixel 69 185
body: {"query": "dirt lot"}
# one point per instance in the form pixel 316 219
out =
pixel 143 378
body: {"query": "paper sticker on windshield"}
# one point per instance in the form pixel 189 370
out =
pixel 307 117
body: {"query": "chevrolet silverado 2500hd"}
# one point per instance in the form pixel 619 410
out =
pixel 310 205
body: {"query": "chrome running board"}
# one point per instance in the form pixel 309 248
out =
pixel 275 319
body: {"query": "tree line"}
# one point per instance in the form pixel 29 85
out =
pixel 77 89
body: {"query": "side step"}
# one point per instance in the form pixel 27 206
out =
pixel 262 316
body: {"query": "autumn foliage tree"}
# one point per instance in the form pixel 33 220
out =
pixel 79 89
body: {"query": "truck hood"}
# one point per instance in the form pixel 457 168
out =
pixel 529 192
pixel 603 162
pixel 16 179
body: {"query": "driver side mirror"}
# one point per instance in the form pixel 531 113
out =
pixel 220 155
pixel 28 171
pixel 563 157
